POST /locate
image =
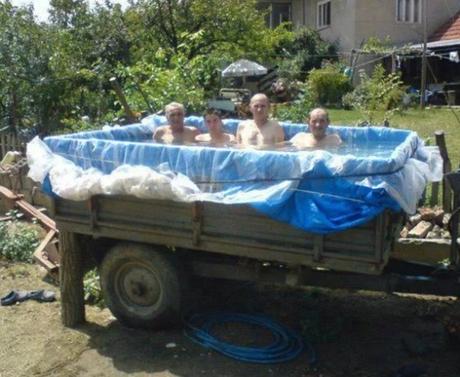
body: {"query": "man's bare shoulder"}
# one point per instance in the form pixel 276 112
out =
pixel 303 140
pixel 162 128
pixel 333 140
pixel 203 137
pixel 245 123
pixel 273 123
pixel 191 129
pixel 159 132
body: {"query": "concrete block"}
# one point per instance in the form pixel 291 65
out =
pixel 420 230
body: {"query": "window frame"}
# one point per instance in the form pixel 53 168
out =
pixel 268 5
pixel 320 6
pixel 401 14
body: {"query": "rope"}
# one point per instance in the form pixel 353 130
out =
pixel 286 344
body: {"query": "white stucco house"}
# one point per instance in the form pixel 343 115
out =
pixel 352 22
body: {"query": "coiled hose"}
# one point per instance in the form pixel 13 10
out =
pixel 286 344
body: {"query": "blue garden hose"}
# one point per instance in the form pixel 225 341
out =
pixel 286 344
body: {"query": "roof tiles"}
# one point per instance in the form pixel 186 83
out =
pixel 449 30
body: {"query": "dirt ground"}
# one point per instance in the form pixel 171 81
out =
pixel 354 333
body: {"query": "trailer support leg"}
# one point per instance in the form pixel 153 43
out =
pixel 71 280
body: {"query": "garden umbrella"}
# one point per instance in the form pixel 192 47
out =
pixel 243 68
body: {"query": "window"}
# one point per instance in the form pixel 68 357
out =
pixel 276 13
pixel 409 11
pixel 323 14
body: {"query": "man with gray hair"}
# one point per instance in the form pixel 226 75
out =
pixel 318 137
pixel 175 132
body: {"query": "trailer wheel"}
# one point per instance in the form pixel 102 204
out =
pixel 141 286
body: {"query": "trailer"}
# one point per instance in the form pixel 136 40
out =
pixel 148 249
pixel 287 217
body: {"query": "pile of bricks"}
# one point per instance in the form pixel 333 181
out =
pixel 429 223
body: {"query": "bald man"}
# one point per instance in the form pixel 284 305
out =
pixel 259 131
pixel 318 137
pixel 175 132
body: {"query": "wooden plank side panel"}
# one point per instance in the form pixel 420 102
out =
pixel 245 222
pixel 233 230
pixel 156 213
pixel 220 246
pixel 71 208
pixel 262 229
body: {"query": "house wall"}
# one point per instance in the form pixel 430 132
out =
pixel 354 21
pixel 378 18
pixel 304 13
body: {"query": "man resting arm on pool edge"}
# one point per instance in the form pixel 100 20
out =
pixel 318 122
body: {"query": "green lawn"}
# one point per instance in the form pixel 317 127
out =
pixel 424 122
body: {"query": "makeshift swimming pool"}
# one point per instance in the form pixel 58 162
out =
pixel 321 191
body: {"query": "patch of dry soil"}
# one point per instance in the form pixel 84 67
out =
pixel 355 334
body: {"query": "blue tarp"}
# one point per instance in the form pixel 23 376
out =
pixel 316 190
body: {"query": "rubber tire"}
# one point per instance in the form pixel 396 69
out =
pixel 141 286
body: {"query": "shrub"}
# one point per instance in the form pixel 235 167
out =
pixel 18 240
pixel 328 84
pixel 298 110
pixel 92 288
pixel 379 92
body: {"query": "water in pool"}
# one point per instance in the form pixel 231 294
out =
pixel 380 149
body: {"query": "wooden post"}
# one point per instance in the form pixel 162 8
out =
pixel 424 57
pixel 393 62
pixel 434 194
pixel 71 280
pixel 447 167
pixel 129 114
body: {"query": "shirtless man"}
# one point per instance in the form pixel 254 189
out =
pixel 318 122
pixel 260 131
pixel 216 136
pixel 175 132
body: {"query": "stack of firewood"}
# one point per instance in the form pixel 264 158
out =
pixel 430 223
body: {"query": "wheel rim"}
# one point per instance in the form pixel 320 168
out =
pixel 138 287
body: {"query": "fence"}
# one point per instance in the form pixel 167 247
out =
pixel 9 141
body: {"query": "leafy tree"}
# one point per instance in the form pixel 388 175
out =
pixel 203 27
pixel 23 64
pixel 55 73
pixel 68 13
pixel 306 51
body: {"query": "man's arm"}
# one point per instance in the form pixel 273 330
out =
pixel 158 134
pixel 334 140
pixel 279 133
pixel 239 131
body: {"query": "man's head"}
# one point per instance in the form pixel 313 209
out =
pixel 259 106
pixel 318 120
pixel 175 114
pixel 213 119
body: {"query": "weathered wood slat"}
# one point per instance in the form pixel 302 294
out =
pixel 232 230
pixel 223 246
pixel 71 279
